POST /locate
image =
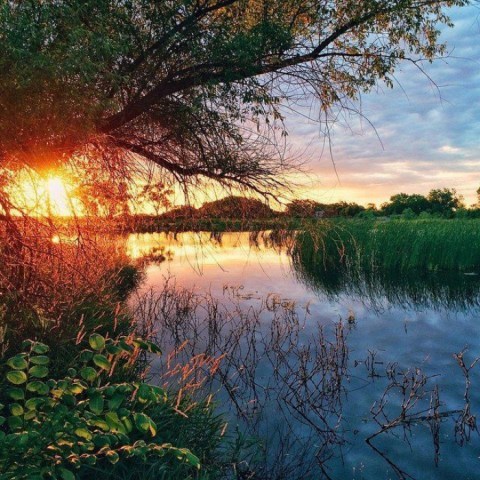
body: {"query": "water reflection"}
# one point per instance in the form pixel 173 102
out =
pixel 377 288
pixel 310 390
pixel 408 289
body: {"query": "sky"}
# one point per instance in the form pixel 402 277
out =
pixel 424 135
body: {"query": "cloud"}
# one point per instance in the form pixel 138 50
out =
pixel 449 149
pixel 412 138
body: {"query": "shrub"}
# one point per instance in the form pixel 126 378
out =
pixel 53 428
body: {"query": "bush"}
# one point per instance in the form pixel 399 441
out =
pixel 408 214
pixel 58 427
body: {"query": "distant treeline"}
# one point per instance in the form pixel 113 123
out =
pixel 442 202
pixel 445 203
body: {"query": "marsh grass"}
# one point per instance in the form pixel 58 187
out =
pixel 397 245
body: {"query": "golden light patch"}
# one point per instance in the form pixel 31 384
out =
pixel 58 201
pixel 50 195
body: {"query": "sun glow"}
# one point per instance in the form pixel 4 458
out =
pixel 58 201
pixel 44 195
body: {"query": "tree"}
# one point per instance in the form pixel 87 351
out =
pixel 193 86
pixel 304 209
pixel 444 201
pixel 345 209
pixel 157 195
pixel 236 207
pixel 403 201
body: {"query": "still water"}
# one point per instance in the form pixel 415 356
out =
pixel 316 363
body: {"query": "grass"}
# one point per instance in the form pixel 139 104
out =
pixel 396 245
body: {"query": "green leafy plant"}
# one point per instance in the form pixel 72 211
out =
pixel 51 428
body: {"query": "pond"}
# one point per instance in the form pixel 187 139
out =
pixel 325 373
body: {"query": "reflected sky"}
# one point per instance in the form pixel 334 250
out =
pixel 407 329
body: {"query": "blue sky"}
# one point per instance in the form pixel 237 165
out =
pixel 427 136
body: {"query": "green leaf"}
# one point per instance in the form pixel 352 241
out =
pixel 16 393
pixel 144 393
pixel 83 433
pixel 34 403
pixel 114 349
pixel 16 377
pixel 69 400
pixel 86 356
pixel 138 342
pixel 40 360
pixel 112 456
pixel 102 424
pixel 96 341
pixel 40 348
pixel 153 348
pixel 128 424
pixel 27 344
pixel 76 388
pixel 16 409
pixel 17 362
pixel 38 371
pixel 30 415
pixel 102 440
pixel 38 386
pixel 15 422
pixel 101 361
pixel 88 373
pixel 191 458
pixel 96 403
pixel 114 422
pixel 66 474
pixel 144 423
pixel 125 346
pixel 2 420
pixel 116 401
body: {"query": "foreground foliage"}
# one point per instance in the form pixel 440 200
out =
pixel 57 427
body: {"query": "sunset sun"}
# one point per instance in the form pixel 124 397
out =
pixel 58 201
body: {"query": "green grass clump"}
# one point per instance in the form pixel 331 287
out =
pixel 397 245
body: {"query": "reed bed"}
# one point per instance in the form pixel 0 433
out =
pixel 399 245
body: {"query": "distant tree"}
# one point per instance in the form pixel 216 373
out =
pixel 236 207
pixel 366 214
pixel 311 208
pixel 444 201
pixel 304 208
pixel 184 212
pixel 425 215
pixel 156 195
pixel 408 214
pixel 104 198
pixel 402 201
pixel 345 209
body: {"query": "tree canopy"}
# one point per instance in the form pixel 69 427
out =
pixel 194 86
pixel 402 201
